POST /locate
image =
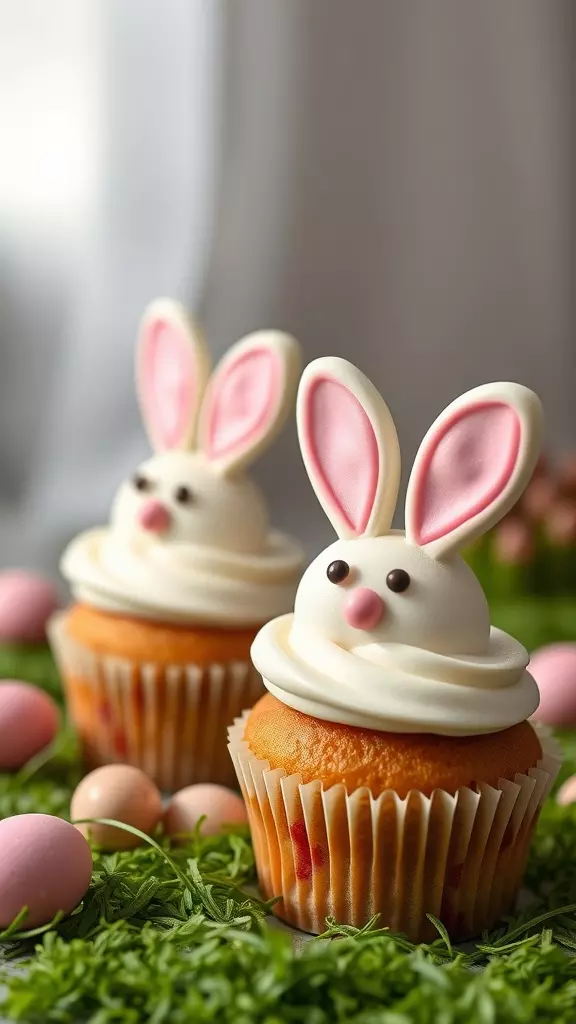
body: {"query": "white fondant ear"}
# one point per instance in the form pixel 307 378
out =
pixel 349 446
pixel 472 466
pixel 172 368
pixel 248 399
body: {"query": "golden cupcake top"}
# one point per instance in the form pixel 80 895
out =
pixel 391 629
pixel 189 538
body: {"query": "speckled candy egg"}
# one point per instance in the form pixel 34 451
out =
pixel 45 865
pixel 220 805
pixel 26 603
pixel 554 669
pixel 28 722
pixel 121 792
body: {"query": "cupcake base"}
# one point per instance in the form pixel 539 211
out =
pixel 351 856
pixel 168 719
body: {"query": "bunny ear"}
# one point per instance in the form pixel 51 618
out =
pixel 172 367
pixel 349 446
pixel 248 398
pixel 472 466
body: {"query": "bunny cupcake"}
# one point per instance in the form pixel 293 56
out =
pixel 169 596
pixel 391 768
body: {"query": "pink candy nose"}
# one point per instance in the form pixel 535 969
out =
pixel 154 516
pixel 363 608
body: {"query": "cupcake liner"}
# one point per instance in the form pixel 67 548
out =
pixel 170 721
pixel 329 853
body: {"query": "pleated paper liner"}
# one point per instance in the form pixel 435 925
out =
pixel 327 853
pixel 169 721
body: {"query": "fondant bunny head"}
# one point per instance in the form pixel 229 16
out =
pixel 204 432
pixel 375 585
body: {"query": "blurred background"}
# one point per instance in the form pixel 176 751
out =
pixel 390 181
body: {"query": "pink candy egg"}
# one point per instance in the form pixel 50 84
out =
pixel 28 722
pixel 567 792
pixel 26 603
pixel 554 669
pixel 121 792
pixel 220 805
pixel 45 865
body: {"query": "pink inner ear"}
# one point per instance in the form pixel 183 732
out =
pixel 244 398
pixel 342 446
pixel 465 468
pixel 168 383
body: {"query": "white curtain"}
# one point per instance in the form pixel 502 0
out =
pixel 131 87
pixel 392 182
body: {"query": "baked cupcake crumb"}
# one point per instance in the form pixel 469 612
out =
pixel 334 753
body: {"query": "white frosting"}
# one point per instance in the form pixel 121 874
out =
pixel 217 564
pixel 432 664
pixel 182 583
pixel 395 687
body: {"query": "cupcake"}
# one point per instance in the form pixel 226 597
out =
pixel 154 654
pixel 391 769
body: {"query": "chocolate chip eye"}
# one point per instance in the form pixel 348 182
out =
pixel 184 495
pixel 337 571
pixel 141 482
pixel 398 580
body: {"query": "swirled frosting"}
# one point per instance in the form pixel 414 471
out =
pixel 182 582
pixel 395 687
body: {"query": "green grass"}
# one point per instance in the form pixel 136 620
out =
pixel 536 620
pixel 33 664
pixel 168 935
pixel 534 603
pixel 176 935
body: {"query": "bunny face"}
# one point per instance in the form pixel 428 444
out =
pixel 378 586
pixel 383 590
pixel 176 498
pixel 204 432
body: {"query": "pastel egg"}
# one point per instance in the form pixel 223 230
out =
pixel 121 792
pixel 220 805
pixel 29 721
pixel 567 792
pixel 46 865
pixel 554 669
pixel 26 603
